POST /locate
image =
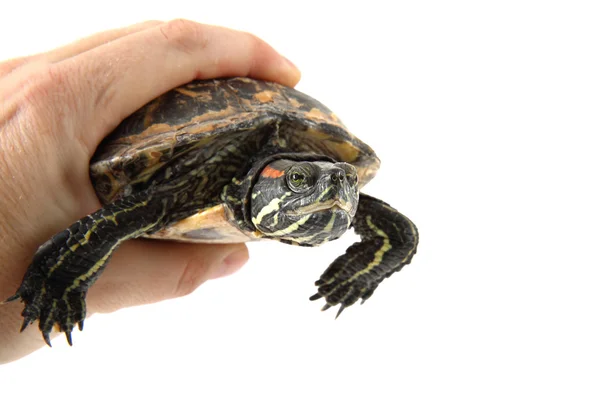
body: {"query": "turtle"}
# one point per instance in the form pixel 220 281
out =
pixel 221 161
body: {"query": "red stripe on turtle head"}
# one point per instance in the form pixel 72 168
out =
pixel 269 172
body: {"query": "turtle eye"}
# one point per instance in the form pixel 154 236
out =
pixel 298 181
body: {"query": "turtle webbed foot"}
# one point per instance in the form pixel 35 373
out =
pixel 52 309
pixel 55 284
pixel 342 282
pixel 388 242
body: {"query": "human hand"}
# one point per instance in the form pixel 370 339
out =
pixel 56 108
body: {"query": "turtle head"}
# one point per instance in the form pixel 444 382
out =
pixel 304 202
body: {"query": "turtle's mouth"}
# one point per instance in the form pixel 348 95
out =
pixel 324 206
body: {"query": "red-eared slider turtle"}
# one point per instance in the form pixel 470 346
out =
pixel 225 160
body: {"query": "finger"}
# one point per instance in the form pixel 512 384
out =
pixel 144 271
pixel 76 47
pixel 98 39
pixel 161 58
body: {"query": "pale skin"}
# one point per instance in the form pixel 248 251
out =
pixel 56 108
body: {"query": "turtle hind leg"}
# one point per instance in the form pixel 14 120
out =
pixel 62 270
pixel 388 242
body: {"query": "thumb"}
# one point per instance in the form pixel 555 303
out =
pixel 148 271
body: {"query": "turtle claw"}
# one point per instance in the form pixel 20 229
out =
pixel 80 325
pixel 69 340
pixel 46 336
pixel 365 296
pixel 12 298
pixel 26 323
pixel 315 296
pixel 342 307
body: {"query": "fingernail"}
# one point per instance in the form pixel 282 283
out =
pixel 232 262
pixel 293 69
pixel 291 64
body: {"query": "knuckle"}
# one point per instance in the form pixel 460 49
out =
pixel 254 41
pixel 185 35
pixel 244 60
pixel 256 45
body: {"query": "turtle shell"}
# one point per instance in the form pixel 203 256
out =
pixel 207 115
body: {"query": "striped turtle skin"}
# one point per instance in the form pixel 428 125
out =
pixel 223 161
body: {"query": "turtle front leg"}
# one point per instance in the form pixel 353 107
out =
pixel 388 242
pixel 63 268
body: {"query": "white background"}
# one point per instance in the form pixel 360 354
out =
pixel 486 118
